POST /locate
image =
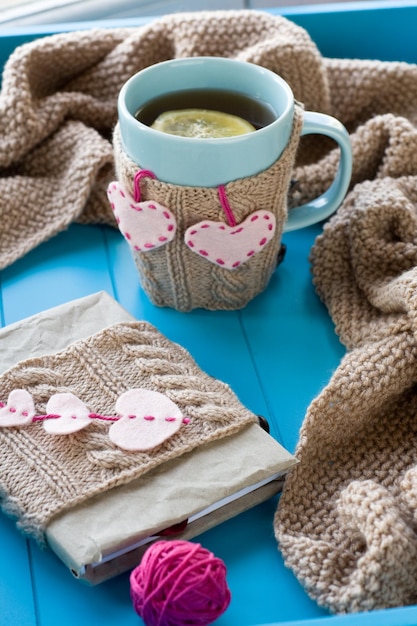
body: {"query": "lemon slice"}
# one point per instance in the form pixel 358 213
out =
pixel 201 124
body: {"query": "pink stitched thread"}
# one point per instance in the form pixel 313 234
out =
pixel 226 206
pixel 41 418
pixel 106 418
pixel 136 182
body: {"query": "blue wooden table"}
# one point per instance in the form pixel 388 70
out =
pixel 276 354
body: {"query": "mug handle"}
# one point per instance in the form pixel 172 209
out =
pixel 323 206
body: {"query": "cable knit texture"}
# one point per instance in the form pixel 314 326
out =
pixel 43 474
pixel 176 277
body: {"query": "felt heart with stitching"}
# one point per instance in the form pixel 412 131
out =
pixel 19 409
pixel 145 225
pixel 231 246
pixel 147 419
pixel 71 414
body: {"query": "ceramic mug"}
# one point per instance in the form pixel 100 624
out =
pixel 204 217
pixel 209 163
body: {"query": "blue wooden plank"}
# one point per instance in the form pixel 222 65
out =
pixel 17 604
pixel 292 338
pixel 63 600
pixel 405 616
pixel 262 589
pixel 71 265
pixel 363 30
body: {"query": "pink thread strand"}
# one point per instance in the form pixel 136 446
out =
pixel 226 206
pixel 49 416
pixel 53 416
pixel 136 182
pixel 106 418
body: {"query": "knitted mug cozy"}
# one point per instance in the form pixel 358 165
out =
pixel 194 268
pixel 75 440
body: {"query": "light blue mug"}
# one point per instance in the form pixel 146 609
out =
pixel 202 162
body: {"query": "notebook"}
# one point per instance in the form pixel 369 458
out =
pixel 108 534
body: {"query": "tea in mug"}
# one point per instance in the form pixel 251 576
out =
pixel 206 113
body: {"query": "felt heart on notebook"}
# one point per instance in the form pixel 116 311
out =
pixel 145 225
pixel 67 414
pixel 147 419
pixel 231 246
pixel 19 409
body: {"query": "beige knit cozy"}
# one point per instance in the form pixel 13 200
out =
pixel 173 275
pixel 42 475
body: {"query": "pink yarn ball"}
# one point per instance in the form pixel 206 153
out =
pixel 179 583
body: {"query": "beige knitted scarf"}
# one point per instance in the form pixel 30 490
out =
pixel 347 520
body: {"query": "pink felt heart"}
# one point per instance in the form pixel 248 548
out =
pixel 147 419
pixel 19 409
pixel 231 246
pixel 145 225
pixel 71 414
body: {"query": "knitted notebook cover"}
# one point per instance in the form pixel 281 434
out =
pixel 98 505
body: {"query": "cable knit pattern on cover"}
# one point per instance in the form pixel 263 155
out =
pixel 48 474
